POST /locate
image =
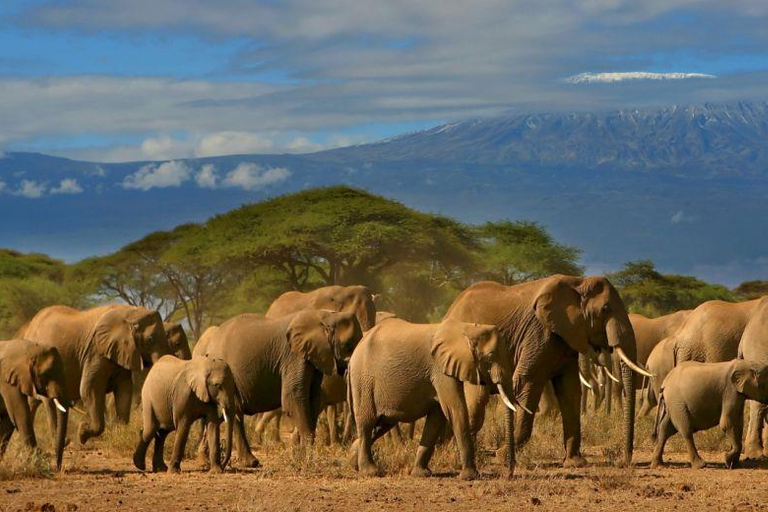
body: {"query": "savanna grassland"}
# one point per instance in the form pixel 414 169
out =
pixel 101 476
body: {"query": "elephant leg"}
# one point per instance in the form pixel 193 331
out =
pixel 584 395
pixel 147 434
pixel 214 446
pixel 568 392
pixel 6 431
pixel 609 387
pixel 50 413
pixel 202 446
pixel 182 434
pixel 333 430
pixel 348 424
pixel 20 416
pixel 263 422
pixel 733 432
pixel 93 389
pixel 364 443
pixel 158 464
pixel 411 428
pixel 477 400
pixel 754 442
pixel 245 456
pixel 123 396
pixel 433 428
pixel 395 434
pixel 649 401
pixel 664 430
pixel 454 408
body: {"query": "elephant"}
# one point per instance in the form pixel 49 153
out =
pixel 401 372
pixel 547 323
pixel 356 299
pixel 650 331
pixel 27 370
pixel 660 363
pixel 175 394
pixel 280 362
pixel 179 347
pixel 697 396
pixel 100 347
pixel 754 347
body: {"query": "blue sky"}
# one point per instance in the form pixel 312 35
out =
pixel 115 80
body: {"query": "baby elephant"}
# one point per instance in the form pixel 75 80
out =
pixel 176 393
pixel 697 396
pixel 401 372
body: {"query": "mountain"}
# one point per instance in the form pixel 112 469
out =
pixel 684 185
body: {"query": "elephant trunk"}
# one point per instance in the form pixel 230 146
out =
pixel 622 338
pixel 62 418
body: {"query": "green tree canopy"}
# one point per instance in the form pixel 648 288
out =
pixel 749 290
pixel 646 290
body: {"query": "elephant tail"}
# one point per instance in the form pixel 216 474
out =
pixel 661 410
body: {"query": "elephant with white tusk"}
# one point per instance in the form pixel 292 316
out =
pixel 401 372
pixel 177 393
pixel 547 323
pixel 31 370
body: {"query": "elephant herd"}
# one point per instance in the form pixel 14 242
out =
pixel 311 350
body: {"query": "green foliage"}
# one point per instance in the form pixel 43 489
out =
pixel 749 290
pixel 14 264
pixel 645 290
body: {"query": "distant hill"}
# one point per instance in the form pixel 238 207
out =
pixel 686 186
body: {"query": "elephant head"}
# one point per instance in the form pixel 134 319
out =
pixel 36 370
pixel 324 338
pixel 132 337
pixel 354 299
pixel 211 381
pixel 474 353
pixel 751 380
pixel 177 340
pixel 589 315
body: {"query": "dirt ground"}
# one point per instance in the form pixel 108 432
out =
pixel 100 482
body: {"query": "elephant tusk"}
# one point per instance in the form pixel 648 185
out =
pixel 584 381
pixel 632 365
pixel 226 420
pixel 506 399
pixel 78 411
pixel 610 375
pixel 525 408
pixel 59 406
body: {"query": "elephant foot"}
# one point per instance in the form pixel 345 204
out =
pixel 160 468
pixel 698 464
pixel 174 470
pixel 753 451
pixel 216 470
pixel 501 454
pixel 420 472
pixel 576 461
pixel 249 463
pixel 139 462
pixel 83 435
pixel 352 455
pixel 469 474
pixel 369 470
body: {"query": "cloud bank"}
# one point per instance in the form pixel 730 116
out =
pixel 246 176
pixel 607 78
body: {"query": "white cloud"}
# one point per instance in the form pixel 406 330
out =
pixel 68 186
pixel 680 217
pixel 2 185
pixel 249 176
pixel 207 177
pixel 233 143
pixel 31 189
pixel 303 145
pixel 607 78
pixel 168 174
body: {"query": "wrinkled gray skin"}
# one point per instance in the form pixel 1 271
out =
pixel 401 372
pixel 176 393
pixel 754 347
pixel 28 369
pixel 100 347
pixel 697 396
pixel 547 323
pixel 660 363
pixel 281 362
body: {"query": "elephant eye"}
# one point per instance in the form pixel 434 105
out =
pixel 606 308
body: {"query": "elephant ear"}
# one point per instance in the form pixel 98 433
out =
pixel 745 380
pixel 17 372
pixel 454 352
pixel 197 377
pixel 113 338
pixel 309 337
pixel 558 308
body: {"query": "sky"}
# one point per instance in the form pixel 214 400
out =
pixel 125 80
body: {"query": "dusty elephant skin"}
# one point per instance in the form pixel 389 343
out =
pixel 697 396
pixel 100 347
pixel 401 372
pixel 175 395
pixel 754 347
pixel 547 323
pixel 348 299
pixel 281 362
pixel 29 370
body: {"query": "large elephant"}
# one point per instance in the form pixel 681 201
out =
pixel 753 347
pixel 547 323
pixel 178 344
pixel 27 370
pixel 100 347
pixel 660 363
pixel 281 362
pixel 355 299
pixel 176 393
pixel 401 372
